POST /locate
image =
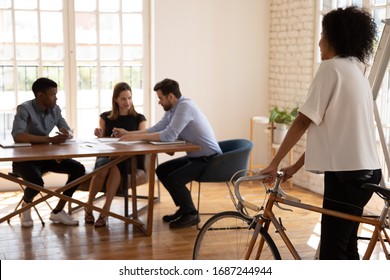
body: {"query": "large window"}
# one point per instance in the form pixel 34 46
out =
pixel 86 46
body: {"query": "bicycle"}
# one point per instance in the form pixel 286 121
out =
pixel 238 235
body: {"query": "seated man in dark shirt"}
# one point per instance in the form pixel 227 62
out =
pixel 33 122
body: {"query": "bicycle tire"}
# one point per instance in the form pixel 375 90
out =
pixel 226 235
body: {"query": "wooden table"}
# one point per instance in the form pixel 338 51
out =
pixel 119 152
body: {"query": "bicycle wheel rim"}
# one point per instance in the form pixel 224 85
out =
pixel 226 236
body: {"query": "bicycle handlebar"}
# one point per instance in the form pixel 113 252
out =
pixel 277 188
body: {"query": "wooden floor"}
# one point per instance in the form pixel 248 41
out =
pixel 120 242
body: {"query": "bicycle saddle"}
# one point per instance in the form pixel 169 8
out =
pixel 378 189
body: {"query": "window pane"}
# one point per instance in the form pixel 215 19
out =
pixel 341 3
pixel 379 2
pixel 50 5
pixel 110 53
pixel 358 3
pixel 87 99
pixel 379 15
pixel 7 100
pixel 27 52
pixel 86 53
pixel 56 73
pixel 6 26
pixel 85 5
pixel 61 100
pixel 26 26
pixel 138 97
pixel 132 5
pixel 109 28
pixel 326 6
pixel 6 51
pixel 109 6
pixel 132 29
pixel 51 27
pixel 6 78
pixel 26 77
pixel 85 28
pixel 110 75
pixel 106 99
pixel 6 36
pixel 6 121
pixel 7 93
pixel 133 75
pixel 52 52
pixel 132 52
pixel 5 4
pixel 85 128
pixel 25 4
pixel 86 77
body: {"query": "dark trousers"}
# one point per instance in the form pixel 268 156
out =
pixel 32 171
pixel 343 193
pixel 176 173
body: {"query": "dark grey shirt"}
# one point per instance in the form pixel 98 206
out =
pixel 29 119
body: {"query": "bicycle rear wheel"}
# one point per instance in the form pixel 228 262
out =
pixel 226 236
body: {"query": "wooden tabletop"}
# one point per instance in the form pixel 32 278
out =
pixel 86 149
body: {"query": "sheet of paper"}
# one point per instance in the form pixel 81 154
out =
pixel 97 146
pixel 130 142
pixel 167 143
pixel 11 144
pixel 108 140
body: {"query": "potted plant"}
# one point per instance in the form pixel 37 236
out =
pixel 281 119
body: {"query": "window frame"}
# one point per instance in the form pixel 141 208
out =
pixel 69 89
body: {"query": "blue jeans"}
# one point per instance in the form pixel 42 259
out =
pixel 176 173
pixel 32 171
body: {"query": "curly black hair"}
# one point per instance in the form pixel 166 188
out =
pixel 350 32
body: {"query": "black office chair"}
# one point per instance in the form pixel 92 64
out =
pixel 233 161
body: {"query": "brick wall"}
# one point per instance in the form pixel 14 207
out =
pixel 292 51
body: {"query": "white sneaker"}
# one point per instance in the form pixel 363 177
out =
pixel 63 218
pixel 25 217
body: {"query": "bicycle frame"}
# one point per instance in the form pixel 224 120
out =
pixel 267 217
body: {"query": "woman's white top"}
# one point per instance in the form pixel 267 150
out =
pixel 340 104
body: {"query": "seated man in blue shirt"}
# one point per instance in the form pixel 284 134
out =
pixel 182 121
pixel 33 122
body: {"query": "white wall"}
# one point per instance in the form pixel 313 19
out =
pixel 218 52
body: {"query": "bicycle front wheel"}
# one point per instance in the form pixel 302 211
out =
pixel 226 236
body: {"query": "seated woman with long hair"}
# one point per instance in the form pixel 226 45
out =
pixel 122 115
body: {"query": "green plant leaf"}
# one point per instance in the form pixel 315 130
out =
pixel 283 116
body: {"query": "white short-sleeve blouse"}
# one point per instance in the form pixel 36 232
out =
pixel 340 104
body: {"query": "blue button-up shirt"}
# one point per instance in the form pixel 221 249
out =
pixel 186 122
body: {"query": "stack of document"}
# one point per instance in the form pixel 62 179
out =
pixel 11 144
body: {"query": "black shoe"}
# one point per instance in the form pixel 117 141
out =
pixel 173 217
pixel 186 220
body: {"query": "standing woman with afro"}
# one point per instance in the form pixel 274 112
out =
pixel 338 118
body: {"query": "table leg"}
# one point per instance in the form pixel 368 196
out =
pixel 58 193
pixel 149 222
